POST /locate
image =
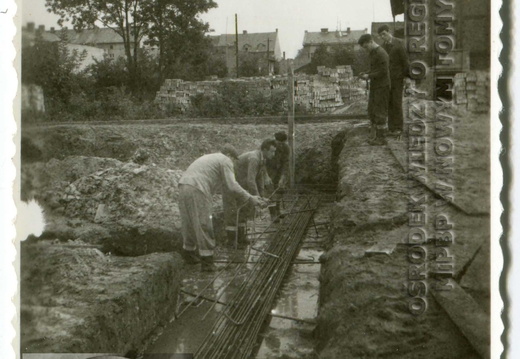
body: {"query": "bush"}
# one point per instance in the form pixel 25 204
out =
pixel 235 100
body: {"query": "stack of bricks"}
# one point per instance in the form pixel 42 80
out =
pixel 319 93
pixel 471 90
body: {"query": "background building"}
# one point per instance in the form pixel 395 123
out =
pixel 263 47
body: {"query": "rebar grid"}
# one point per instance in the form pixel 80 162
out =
pixel 236 329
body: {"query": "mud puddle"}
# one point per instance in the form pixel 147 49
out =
pixel 298 298
pixel 284 335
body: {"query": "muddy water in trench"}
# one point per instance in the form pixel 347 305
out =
pixel 298 298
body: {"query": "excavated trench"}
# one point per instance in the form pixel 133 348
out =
pixel 352 304
pixel 100 266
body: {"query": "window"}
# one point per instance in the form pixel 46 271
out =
pixel 111 47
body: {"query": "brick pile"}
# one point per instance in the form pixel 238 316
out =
pixel 323 92
pixel 471 89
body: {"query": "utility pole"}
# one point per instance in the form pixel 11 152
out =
pixel 290 123
pixel 268 69
pixel 236 43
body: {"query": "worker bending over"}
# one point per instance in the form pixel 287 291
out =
pixel 197 186
pixel 252 176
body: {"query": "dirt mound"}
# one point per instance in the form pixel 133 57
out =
pixel 367 272
pixel 128 208
pixel 76 299
pixel 39 177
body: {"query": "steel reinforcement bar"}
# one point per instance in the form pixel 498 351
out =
pixel 235 331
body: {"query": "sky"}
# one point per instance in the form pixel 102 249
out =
pixel 290 17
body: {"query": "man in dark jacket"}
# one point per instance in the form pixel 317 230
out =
pixel 277 169
pixel 379 86
pixel 398 66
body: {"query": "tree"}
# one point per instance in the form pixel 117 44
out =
pixel 322 57
pixel 125 17
pixel 171 25
pixel 54 67
pixel 249 65
pixel 175 29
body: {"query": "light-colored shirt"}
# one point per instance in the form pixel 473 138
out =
pixel 212 172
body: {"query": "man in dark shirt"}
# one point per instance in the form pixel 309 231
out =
pixel 379 86
pixel 398 71
pixel 277 169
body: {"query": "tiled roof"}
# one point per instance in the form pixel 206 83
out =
pixel 332 37
pixel 255 41
pixel 92 36
pixel 46 36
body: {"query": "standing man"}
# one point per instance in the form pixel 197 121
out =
pixel 399 69
pixel 277 169
pixel 196 188
pixel 379 86
pixel 252 176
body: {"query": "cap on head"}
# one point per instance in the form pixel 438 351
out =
pixel 364 39
pixel 280 136
pixel 382 28
pixel 267 144
pixel 230 151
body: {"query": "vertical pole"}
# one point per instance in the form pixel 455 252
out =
pixel 236 44
pixel 290 120
pixel 268 69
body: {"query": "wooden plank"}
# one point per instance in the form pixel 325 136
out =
pixel 471 320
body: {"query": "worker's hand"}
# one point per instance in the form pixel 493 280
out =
pixel 259 201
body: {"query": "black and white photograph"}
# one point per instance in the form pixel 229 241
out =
pixel 258 179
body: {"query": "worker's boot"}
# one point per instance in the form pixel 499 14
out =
pixel 274 211
pixel 380 138
pixel 207 264
pixel 242 236
pixel 190 257
pixel 231 234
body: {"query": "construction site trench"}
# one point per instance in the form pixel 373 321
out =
pixel 106 275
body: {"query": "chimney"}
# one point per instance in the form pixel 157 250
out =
pixel 348 30
pixel 53 30
pixel 325 30
pixel 41 28
pixel 30 26
pixel 283 53
pixel 244 32
pixel 276 30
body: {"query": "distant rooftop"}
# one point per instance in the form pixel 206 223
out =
pixel 245 38
pixel 337 37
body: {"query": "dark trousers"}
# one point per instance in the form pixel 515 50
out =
pixel 395 106
pixel 378 100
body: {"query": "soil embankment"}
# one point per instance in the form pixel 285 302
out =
pixel 373 277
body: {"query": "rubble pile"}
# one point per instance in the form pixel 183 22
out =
pixel 135 192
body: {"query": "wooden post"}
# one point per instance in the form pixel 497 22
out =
pixel 236 43
pixel 290 123
pixel 268 64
